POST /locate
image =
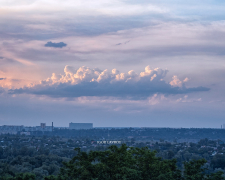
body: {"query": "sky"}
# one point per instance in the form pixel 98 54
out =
pixel 113 63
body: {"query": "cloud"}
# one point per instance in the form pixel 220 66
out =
pixel 99 7
pixel 2 90
pixel 186 100
pixel 2 79
pixel 177 82
pixel 97 83
pixel 55 45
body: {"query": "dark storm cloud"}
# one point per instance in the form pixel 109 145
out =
pixel 55 45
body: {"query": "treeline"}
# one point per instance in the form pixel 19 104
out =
pixel 125 163
pixel 169 134
pixel 43 156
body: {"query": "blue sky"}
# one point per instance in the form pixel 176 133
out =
pixel 113 63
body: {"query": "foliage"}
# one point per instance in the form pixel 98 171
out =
pixel 21 176
pixel 124 163
pixel 42 156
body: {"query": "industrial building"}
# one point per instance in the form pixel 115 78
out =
pixel 14 129
pixel 10 129
pixel 80 125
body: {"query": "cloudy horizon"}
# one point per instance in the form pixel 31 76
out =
pixel 114 63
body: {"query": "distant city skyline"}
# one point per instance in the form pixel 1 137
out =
pixel 112 63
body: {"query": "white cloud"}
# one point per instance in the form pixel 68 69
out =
pixel 79 7
pixel 104 83
pixel 185 99
pixel 86 74
pixel 176 82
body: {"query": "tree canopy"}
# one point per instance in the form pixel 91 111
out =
pixel 128 163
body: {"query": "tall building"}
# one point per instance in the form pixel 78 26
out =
pixel 80 125
pixel 43 125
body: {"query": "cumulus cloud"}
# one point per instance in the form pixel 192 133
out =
pixel 176 82
pixel 85 81
pixel 55 45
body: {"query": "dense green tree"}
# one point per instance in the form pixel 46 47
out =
pixel 21 176
pixel 218 161
pixel 44 156
pixel 124 163
pixel 25 176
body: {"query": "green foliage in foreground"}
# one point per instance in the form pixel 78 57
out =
pixel 22 176
pixel 124 163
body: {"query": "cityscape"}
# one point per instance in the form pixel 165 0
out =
pixel 26 130
pixel 112 90
pixel 12 129
pixel 42 151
